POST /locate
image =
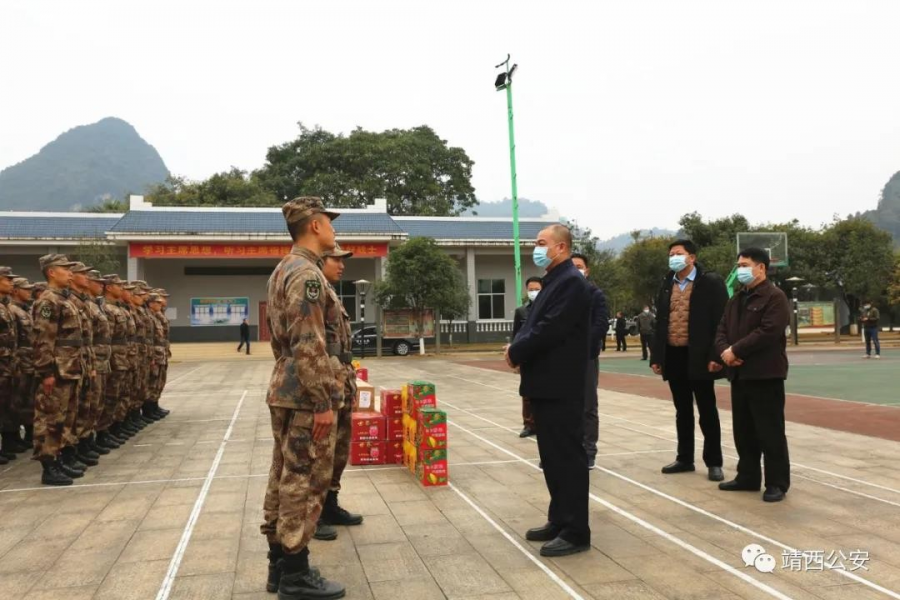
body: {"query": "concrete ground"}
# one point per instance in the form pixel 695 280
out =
pixel 176 513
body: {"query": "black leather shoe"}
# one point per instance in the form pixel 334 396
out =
pixel 716 474
pixel 542 534
pixel 526 432
pixel 773 494
pixel 325 532
pixel 678 467
pixel 736 486
pixel 592 463
pixel 560 547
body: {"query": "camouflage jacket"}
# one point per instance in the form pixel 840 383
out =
pixel 159 339
pixel 87 329
pixel 303 377
pixel 132 329
pixel 164 323
pixel 102 336
pixel 8 337
pixel 149 328
pixel 338 343
pixel 57 336
pixel 118 333
pixel 25 342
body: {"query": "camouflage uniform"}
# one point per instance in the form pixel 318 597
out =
pixel 303 383
pixel 127 390
pixel 118 361
pixel 167 351
pixel 57 353
pixel 102 353
pixel 23 384
pixel 8 343
pixel 159 351
pixel 78 424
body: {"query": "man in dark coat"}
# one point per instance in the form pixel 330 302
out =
pixel 751 340
pixel 551 352
pixel 621 332
pixel 689 307
pixel 532 289
pixel 245 336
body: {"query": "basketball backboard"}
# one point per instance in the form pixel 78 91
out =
pixel 776 244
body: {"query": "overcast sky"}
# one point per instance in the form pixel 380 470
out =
pixel 628 114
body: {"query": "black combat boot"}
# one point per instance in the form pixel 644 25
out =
pixel 333 514
pixel 162 411
pixel 125 429
pixel 52 474
pixel 29 435
pixel 136 421
pixel 325 532
pixel 69 457
pixel 117 433
pixel 93 445
pixel 7 448
pixel 146 415
pixel 83 451
pixel 300 582
pixel 17 444
pixel 69 465
pixel 105 440
pixel 276 553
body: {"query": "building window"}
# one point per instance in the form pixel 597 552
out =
pixel 491 298
pixel 346 291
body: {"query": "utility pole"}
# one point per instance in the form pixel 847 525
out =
pixel 504 81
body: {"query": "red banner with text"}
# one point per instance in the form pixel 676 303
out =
pixel 171 250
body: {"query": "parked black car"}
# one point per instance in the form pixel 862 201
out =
pixel 366 338
pixel 630 323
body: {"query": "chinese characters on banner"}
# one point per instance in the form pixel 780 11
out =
pixel 175 250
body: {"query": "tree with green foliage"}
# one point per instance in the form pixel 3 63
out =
pixel 229 188
pixel 421 276
pixel 110 205
pixel 414 169
pixel 102 257
pixel 644 264
pixel 860 254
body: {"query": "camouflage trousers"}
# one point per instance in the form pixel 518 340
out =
pixel 53 413
pixel 112 393
pixel 341 446
pixel 88 407
pixel 141 384
pixel 153 384
pixel 7 415
pixel 23 398
pixel 298 479
pixel 163 376
pixel 126 389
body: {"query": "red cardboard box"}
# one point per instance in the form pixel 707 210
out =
pixel 362 373
pixel 393 452
pixel 431 428
pixel 394 428
pixel 416 395
pixel 367 453
pixel 367 427
pixel 391 402
pixel 432 468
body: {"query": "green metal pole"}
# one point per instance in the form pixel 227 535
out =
pixel 517 250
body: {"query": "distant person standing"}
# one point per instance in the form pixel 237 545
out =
pixel 532 289
pixel 646 323
pixel 621 332
pixel 869 319
pixel 690 304
pixel 245 336
pixel 752 342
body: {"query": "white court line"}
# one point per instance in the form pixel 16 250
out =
pixel 183 375
pixel 650 527
pixel 166 587
pixel 547 570
pixel 693 508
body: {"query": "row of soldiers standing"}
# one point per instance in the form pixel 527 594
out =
pixel 83 362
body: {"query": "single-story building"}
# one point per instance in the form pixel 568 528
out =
pixel 213 260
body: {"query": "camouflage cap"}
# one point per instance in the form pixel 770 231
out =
pixel 94 275
pixel 112 279
pixel 55 260
pixel 141 283
pixel 300 208
pixel 154 298
pixel 129 285
pixel 80 267
pixel 22 284
pixel 7 272
pixel 338 253
pixel 39 286
pixel 161 292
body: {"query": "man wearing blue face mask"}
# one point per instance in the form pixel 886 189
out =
pixel 551 351
pixel 752 343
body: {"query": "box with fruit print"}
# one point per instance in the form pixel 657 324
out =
pixel 393 452
pixel 367 453
pixel 431 429
pixel 367 427
pixel 416 395
pixel 432 467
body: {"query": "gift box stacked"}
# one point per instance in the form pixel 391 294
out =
pixel 424 434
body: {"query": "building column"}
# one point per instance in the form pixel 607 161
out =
pixel 135 268
pixel 380 267
pixel 472 282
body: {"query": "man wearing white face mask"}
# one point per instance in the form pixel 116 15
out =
pixel 532 289
pixel 752 343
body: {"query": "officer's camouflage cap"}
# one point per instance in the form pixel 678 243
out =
pixel 154 298
pixel 338 253
pixel 95 275
pixel 55 260
pixel 112 279
pixel 7 272
pixel 161 292
pixel 305 206
pixel 22 284
pixel 80 267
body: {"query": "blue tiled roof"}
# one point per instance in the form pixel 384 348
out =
pixel 199 223
pixel 56 227
pixel 464 229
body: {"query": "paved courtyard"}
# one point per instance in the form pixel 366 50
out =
pixel 176 513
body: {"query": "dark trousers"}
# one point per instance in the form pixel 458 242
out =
pixel 684 392
pixel 591 419
pixel 871 334
pixel 561 447
pixel 241 345
pixel 621 342
pixel 757 409
pixel 646 339
pixel 527 417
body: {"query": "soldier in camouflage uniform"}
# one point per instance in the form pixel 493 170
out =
pixel 8 343
pixel 303 397
pixel 23 384
pixel 339 346
pixel 164 367
pixel 122 416
pixel 102 353
pixel 141 406
pixel 78 431
pixel 158 358
pixel 108 433
pixel 139 366
pixel 58 368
